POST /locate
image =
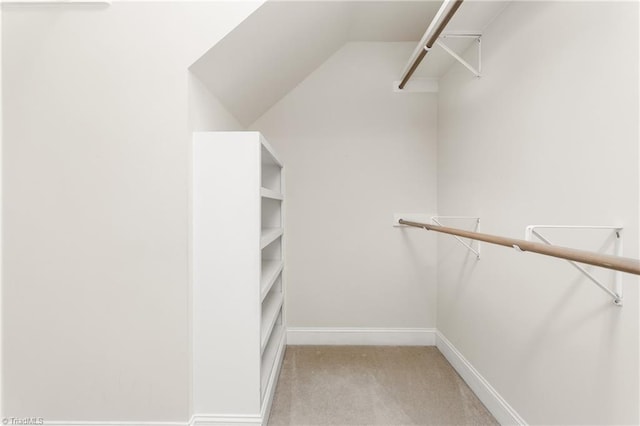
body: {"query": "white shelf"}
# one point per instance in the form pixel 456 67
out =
pixel 269 274
pixel 268 154
pixel 269 235
pixel 270 311
pixel 268 193
pixel 270 355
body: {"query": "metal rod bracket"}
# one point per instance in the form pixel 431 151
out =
pixel 478 37
pixel 468 245
pixel 616 293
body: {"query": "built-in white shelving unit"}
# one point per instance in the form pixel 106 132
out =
pixel 268 193
pixel 238 334
pixel 269 235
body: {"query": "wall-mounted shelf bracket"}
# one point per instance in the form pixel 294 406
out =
pixel 478 38
pixel 469 245
pixel 616 293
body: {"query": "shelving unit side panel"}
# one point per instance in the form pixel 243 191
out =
pixel 283 244
pixel 226 272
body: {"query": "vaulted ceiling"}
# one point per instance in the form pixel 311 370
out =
pixel 281 43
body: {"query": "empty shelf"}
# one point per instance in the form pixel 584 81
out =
pixel 269 156
pixel 270 271
pixel 270 311
pixel 269 235
pixel 269 193
pixel 274 348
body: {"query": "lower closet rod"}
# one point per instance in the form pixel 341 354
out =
pixel 617 263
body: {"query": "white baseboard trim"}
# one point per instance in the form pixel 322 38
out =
pixel 214 420
pixel 361 336
pixel 500 409
pixel 199 420
pixel 106 423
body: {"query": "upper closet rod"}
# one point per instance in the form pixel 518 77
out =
pixel 624 264
pixel 425 46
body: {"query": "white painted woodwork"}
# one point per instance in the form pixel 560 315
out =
pixel 268 193
pixel 238 293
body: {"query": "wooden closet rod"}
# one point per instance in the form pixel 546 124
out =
pixel 617 263
pixel 432 40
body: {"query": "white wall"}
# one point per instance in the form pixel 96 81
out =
pixel 206 112
pixel 95 168
pixel 548 135
pixel 355 153
pixel 1 223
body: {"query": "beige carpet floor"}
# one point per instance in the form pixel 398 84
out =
pixel 372 385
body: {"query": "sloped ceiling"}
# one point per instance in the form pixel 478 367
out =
pixel 390 20
pixel 281 43
pixel 270 53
